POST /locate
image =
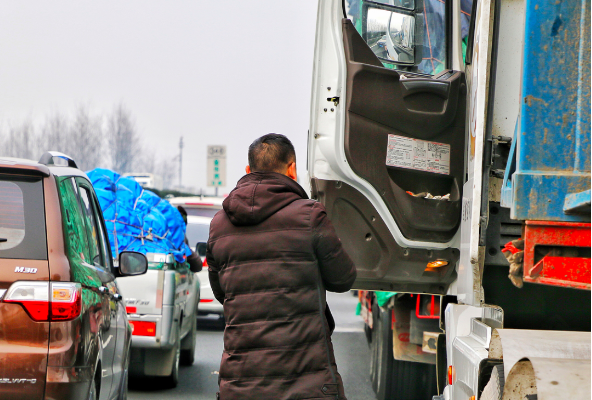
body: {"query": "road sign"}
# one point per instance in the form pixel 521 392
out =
pixel 216 171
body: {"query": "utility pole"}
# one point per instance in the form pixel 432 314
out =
pixel 181 162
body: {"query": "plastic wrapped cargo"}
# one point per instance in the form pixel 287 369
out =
pixel 137 219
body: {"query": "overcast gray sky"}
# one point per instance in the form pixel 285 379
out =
pixel 215 72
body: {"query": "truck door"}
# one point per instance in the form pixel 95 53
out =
pixel 387 144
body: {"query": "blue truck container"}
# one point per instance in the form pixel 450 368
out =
pixel 548 175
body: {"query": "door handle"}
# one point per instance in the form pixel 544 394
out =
pixel 103 289
pixel 439 88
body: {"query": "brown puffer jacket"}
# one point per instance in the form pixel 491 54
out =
pixel 272 252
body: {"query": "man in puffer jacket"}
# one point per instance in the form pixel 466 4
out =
pixel 272 253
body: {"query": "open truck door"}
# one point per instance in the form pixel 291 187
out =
pixel 390 151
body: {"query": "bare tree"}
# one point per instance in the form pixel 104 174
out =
pixel 146 161
pixel 55 134
pixel 86 138
pixel 123 141
pixel 20 140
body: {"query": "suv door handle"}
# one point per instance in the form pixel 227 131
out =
pixel 103 289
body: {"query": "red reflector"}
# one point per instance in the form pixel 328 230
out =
pixel 206 300
pixel 205 263
pixel 143 328
pixel 131 310
pixel 37 310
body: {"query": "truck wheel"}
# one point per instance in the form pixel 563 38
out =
pixel 374 344
pixel 384 356
pixel 188 344
pixel 172 380
pixel 368 334
pixel 413 381
pixel 395 379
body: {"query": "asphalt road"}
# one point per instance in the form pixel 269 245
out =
pixel 200 381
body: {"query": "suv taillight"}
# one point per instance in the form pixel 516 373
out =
pixel 45 301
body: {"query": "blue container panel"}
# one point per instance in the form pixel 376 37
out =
pixel 553 143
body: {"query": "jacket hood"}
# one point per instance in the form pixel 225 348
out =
pixel 259 195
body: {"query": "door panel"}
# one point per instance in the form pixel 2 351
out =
pixel 94 319
pixel 101 263
pixel 382 102
pixel 392 134
pixel 382 264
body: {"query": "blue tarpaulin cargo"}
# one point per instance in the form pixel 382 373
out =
pixel 137 219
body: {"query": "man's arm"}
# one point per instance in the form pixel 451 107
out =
pixel 213 274
pixel 337 268
pixel 195 262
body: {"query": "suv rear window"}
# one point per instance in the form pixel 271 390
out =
pixel 22 219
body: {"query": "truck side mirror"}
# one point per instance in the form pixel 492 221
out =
pixel 132 263
pixel 391 35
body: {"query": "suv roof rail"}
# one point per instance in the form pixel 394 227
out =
pixel 58 159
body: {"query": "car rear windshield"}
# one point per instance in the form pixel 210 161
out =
pixel 22 218
pixel 202 212
pixel 197 233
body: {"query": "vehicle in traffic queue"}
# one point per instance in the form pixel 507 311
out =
pixel 161 307
pixel 453 159
pixel 64 329
pixel 162 304
pixel 198 229
pixel 200 206
pixel 146 179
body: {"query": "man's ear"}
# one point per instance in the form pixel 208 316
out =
pixel 248 169
pixel 291 172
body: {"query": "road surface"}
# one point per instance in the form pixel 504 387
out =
pixel 200 381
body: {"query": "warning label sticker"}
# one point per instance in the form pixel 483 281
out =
pixel 418 154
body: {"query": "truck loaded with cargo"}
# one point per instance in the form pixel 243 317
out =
pixel 162 304
pixel 450 144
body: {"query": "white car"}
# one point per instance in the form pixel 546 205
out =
pixel 198 229
pixel 199 206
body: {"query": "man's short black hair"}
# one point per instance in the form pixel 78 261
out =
pixel 271 153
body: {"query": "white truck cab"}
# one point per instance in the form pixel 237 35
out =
pixel 421 111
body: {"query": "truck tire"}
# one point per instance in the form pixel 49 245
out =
pixel 395 379
pixel 172 380
pixel 188 345
pixel 384 356
pixel 413 381
pixel 368 334
pixel 374 344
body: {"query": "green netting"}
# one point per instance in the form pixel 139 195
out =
pixel 383 297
